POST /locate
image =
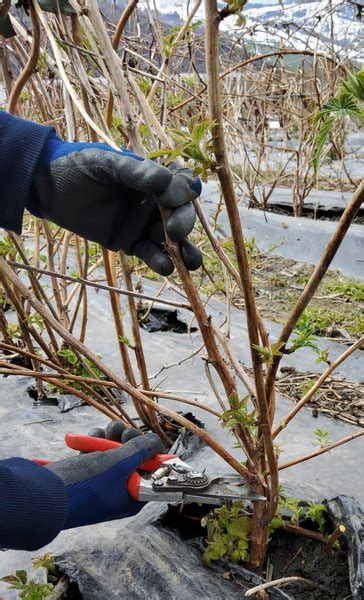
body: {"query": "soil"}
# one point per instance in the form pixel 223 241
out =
pixel 337 397
pixel 334 313
pixel 297 556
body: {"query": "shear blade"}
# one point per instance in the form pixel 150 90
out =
pixel 222 489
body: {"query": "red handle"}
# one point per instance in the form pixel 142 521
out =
pixel 133 485
pixel 87 443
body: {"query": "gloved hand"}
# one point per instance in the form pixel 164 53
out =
pixel 96 483
pixel 112 198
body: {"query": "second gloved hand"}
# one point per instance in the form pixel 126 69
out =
pixel 113 198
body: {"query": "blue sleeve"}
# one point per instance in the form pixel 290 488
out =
pixel 21 143
pixel 33 505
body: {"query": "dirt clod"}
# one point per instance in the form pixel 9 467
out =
pixel 302 557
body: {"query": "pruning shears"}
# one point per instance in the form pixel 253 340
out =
pixel 166 478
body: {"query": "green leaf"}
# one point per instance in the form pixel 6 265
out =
pixel 47 561
pixel 304 334
pixel 235 556
pixel 228 530
pixel 322 437
pixel 125 340
pixel 239 528
pixel 346 103
pixel 322 136
pixel 355 84
pixel 9 579
pixel 317 514
pixel 323 356
pixel 69 355
pixel 292 505
pixel 160 153
pixel 275 523
pixel 21 576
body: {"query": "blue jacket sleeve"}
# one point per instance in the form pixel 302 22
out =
pixel 21 143
pixel 33 505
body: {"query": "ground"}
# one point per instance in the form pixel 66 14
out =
pixel 337 397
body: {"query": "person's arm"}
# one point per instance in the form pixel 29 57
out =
pixel 37 502
pixel 21 144
pixel 33 505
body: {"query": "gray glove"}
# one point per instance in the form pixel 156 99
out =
pixel 113 198
pixel 96 483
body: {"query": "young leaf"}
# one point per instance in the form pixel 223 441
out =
pixel 239 528
pixel 322 437
pixel 47 561
pixel 355 84
pixel 322 135
pixel 21 576
pixel 160 153
pixel 125 340
pixel 323 356
pixel 317 514
pixel 9 579
pixel 346 103
pixel 267 354
pixel 69 355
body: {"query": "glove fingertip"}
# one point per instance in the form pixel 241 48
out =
pixel 114 430
pixel 129 434
pixel 156 258
pixel 154 443
pixel 192 256
pixel 97 432
pixel 181 222
pixel 149 442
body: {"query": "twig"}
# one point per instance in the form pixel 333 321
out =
pixel 278 583
pixel 39 375
pixel 60 589
pixel 339 531
pixel 128 10
pixel 62 311
pixel 320 451
pixel 29 67
pixel 120 334
pixel 302 531
pixel 100 286
pixel 138 346
pixel 239 370
pixel 63 75
pixel 203 320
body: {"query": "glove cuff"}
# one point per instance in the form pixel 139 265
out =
pixel 21 143
pixel 34 505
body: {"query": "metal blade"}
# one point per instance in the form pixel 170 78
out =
pixel 222 489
